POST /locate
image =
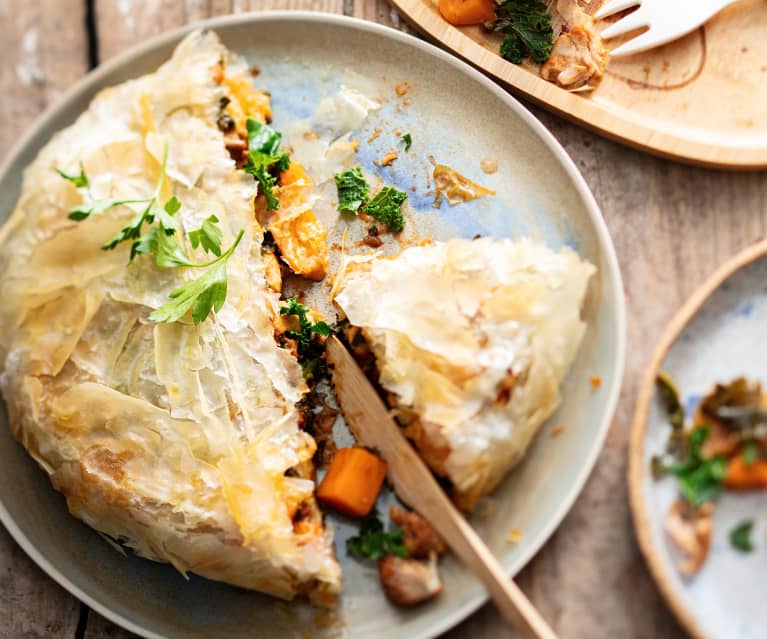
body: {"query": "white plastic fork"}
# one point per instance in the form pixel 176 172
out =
pixel 667 20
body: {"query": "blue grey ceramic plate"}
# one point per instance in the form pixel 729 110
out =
pixel 717 336
pixel 459 117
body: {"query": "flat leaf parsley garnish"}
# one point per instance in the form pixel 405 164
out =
pixel 740 537
pixel 206 293
pixel 80 181
pixel 162 240
pixel 527 28
pixel 310 350
pixel 408 140
pixel 353 189
pixel 386 208
pixel 208 236
pixel 265 159
pixel 374 542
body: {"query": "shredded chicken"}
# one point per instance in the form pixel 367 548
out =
pixel 690 529
pixel 421 540
pixel 578 59
pixel 409 581
pixel 272 271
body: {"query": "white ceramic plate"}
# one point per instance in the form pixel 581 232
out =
pixel 458 116
pixel 717 336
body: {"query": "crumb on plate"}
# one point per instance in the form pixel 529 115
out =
pixel 375 134
pixel 387 159
pixel 514 536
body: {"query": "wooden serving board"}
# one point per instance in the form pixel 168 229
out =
pixel 701 99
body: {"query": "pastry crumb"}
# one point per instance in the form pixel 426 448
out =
pixel 375 134
pixel 557 431
pixel 514 536
pixel 596 382
pixel 489 165
pixel 387 159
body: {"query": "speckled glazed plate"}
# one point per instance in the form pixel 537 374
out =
pixel 719 334
pixel 458 116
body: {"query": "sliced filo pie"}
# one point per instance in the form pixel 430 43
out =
pixel 178 437
pixel 471 341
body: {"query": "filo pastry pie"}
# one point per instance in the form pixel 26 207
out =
pixel 179 441
pixel 471 341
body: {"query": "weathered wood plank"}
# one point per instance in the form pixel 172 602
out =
pixel 380 11
pixel 100 628
pixel 122 24
pixel 38 64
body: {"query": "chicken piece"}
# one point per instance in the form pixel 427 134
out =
pixel 408 582
pixel 690 530
pixel 578 59
pixel 272 271
pixel 421 540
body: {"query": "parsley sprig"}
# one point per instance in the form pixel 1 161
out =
pixel 374 542
pixel 206 293
pixel 265 159
pixel 162 240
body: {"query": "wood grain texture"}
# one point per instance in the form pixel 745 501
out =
pixel 642 98
pixel 36 68
pixel 671 224
pixel 120 24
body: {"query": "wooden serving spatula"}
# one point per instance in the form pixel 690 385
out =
pixel 372 426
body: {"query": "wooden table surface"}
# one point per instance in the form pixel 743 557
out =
pixel 671 224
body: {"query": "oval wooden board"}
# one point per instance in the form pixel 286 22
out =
pixel 662 570
pixel 698 100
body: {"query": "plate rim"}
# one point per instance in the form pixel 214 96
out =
pixel 87 84
pixel 636 466
pixel 582 111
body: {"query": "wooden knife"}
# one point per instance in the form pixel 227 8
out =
pixel 369 421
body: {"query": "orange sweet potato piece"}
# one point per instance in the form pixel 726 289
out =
pixel 464 12
pixel 353 482
pixel 302 238
pixel 743 476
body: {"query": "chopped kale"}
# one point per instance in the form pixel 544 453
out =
pixel 353 189
pixel 740 537
pixel 386 208
pixel 528 30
